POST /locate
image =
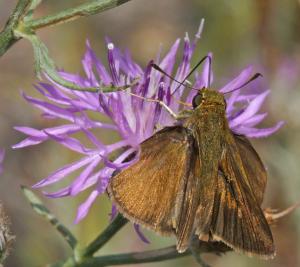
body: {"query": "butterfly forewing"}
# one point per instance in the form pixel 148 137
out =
pixel 148 191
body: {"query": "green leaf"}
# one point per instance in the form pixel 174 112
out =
pixel 41 209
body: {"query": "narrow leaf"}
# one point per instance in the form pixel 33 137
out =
pixel 40 209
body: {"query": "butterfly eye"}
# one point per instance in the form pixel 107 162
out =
pixel 197 100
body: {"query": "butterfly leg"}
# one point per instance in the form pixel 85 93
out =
pixel 184 114
pixel 194 248
pixel 164 105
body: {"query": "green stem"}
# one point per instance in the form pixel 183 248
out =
pixel 135 258
pixel 105 236
pixel 167 253
pixel 90 8
pixel 7 37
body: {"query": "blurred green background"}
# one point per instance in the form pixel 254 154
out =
pixel 265 33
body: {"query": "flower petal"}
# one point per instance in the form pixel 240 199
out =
pixel 140 234
pixel 243 77
pixel 259 133
pixel 256 119
pixel 82 178
pixel 85 206
pixel 64 171
pixel 87 63
pixel 113 64
pixel 71 143
pixel 103 74
pixel 50 108
pixel 30 141
pixel 113 212
pixel 2 155
pixel 90 181
pixel 250 111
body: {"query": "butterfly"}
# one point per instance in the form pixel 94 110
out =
pixel 198 178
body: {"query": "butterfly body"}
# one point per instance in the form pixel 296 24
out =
pixel 198 178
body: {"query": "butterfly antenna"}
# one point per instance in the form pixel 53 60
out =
pixel 193 70
pixel 188 75
pixel 156 67
pixel 254 77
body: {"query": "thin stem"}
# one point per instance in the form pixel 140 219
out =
pixel 105 236
pixel 7 37
pixel 167 253
pixel 135 257
pixel 90 8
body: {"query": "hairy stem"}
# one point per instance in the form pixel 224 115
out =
pixel 87 9
pixel 23 12
pixel 7 37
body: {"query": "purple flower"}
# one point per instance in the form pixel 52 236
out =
pixel 2 155
pixel 132 118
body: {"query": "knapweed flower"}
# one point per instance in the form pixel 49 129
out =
pixel 133 118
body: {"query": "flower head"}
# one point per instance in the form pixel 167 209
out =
pixel 134 119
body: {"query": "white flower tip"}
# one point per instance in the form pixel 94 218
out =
pixel 162 84
pixel 186 38
pixel 87 42
pixel 200 30
pixel 110 46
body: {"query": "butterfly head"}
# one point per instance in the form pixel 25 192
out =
pixel 208 97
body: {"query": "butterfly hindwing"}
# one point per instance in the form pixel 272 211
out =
pixel 237 218
pixel 254 168
pixel 188 201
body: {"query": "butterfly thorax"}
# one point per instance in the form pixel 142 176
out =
pixel 208 121
pixel 209 127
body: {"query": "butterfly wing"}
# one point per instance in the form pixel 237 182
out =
pixel 254 168
pixel 148 191
pixel 236 217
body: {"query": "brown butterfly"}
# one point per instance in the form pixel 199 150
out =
pixel 198 178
